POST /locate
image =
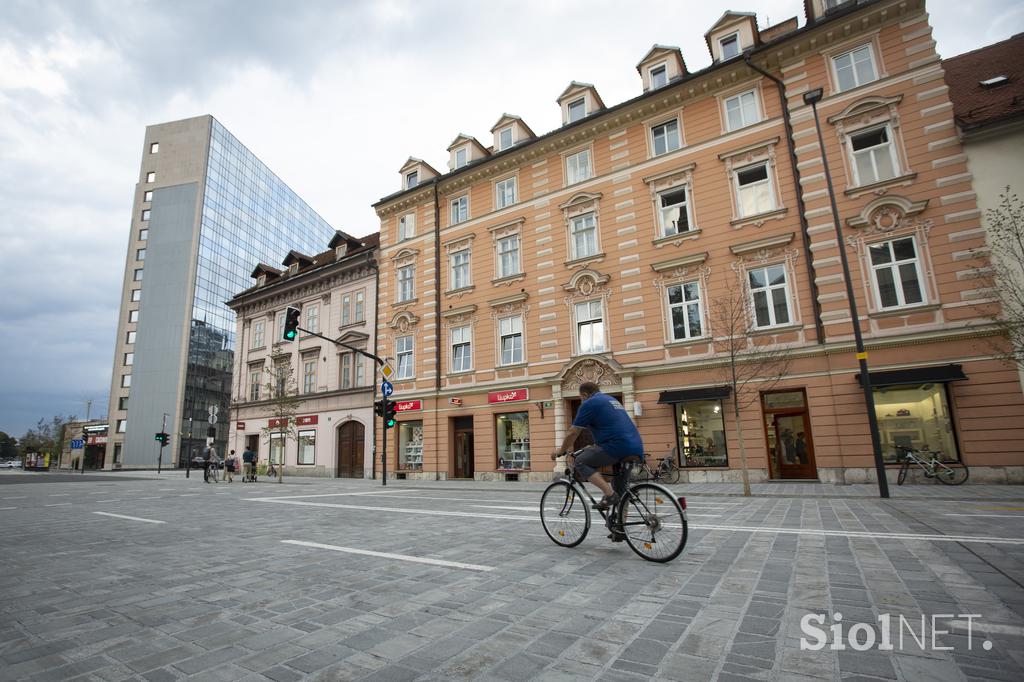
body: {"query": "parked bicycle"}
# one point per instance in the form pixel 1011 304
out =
pixel 950 473
pixel 271 470
pixel 647 516
pixel 667 470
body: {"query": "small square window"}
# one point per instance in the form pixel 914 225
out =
pixel 122 424
pixel 154 147
pixel 854 68
pixel 741 110
pixel 659 77
pixel 136 295
pixel 130 337
pixel 126 380
pixel 122 403
pixel 147 195
pixel 151 176
pixel 140 254
pixel 133 315
pixel 138 275
pixel 665 137
pixel 730 46
pixel 145 214
pixel 143 235
pixel 577 109
pixel 577 167
pixel 129 359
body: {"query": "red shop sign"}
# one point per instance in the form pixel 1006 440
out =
pixel 274 423
pixel 408 405
pixel 509 396
pixel 239 426
pixel 308 420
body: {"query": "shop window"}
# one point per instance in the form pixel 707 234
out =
pixel 700 430
pixel 307 447
pixel 916 417
pixel 276 447
pixel 513 433
pixel 410 445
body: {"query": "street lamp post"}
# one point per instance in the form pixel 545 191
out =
pixel 812 97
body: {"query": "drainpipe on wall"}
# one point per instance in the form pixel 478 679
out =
pixel 800 205
pixel 437 314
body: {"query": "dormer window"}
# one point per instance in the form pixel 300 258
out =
pixel 505 139
pixel 341 251
pixel 261 280
pixel 412 179
pixel 659 77
pixel 461 157
pixel 293 268
pixel 730 46
pixel 577 109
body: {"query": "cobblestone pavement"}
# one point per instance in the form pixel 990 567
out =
pixel 326 580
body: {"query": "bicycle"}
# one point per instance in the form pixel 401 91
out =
pixel 648 516
pixel 950 473
pixel 666 470
pixel 271 471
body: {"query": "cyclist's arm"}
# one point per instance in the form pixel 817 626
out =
pixel 570 438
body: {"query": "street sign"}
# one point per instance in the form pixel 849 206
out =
pixel 77 444
pixel 386 370
pixel 386 388
pixel 212 410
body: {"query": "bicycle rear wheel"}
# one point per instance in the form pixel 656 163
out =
pixel 952 473
pixel 671 474
pixel 903 473
pixel 653 522
pixel 565 514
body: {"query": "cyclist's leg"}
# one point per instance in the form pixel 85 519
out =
pixel 587 463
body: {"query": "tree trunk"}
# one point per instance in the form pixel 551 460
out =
pixel 743 448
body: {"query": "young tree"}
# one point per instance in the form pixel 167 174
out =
pixel 751 364
pixel 1005 225
pixel 47 436
pixel 283 405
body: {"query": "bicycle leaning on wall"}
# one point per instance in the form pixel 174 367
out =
pixel 950 473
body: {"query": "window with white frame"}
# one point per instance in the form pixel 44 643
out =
pixel 897 273
pixel 754 192
pixel 583 232
pixel 577 167
pixel 146 213
pixel 874 155
pixel 406 226
pixel 360 306
pixel 133 316
pixel 504 138
pixel 312 314
pixel 729 46
pixel 460 210
pixel 403 353
pixel 346 309
pixel 129 359
pixel 307 447
pixel 143 235
pixel 659 77
pixel 309 374
pixel 589 327
pixel 136 295
pixel 665 137
pixel 459 262
pixel 577 109
pixel 130 337
pixel 358 373
pixel 674 211
pixel 257 334
pixel 151 177
pixel 508 256
pixel 346 370
pixel 505 193
pixel 462 349
pixel 769 295
pixel 412 179
pixel 140 254
pixel 684 309
pixel 854 68
pixel 510 333
pixel 461 157
pixel 126 380
pixel 742 110
pixel 405 283
pixel 147 195
pixel 255 382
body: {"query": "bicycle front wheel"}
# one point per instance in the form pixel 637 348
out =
pixel 565 514
pixel 951 474
pixel 653 522
pixel 903 473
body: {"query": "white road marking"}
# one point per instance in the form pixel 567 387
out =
pixel 371 492
pixel 998 516
pixel 106 501
pixel 20 497
pixel 130 518
pixel 745 529
pixel 59 494
pixel 492 506
pixel 190 495
pixel 59 504
pixel 165 489
pixel 388 555
pixel 156 497
pixel 7 508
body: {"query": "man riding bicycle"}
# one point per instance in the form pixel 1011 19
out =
pixel 615 436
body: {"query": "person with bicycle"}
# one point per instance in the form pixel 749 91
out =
pixel 615 435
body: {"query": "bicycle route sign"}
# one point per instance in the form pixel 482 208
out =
pixel 386 388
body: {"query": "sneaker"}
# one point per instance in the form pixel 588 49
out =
pixel 606 502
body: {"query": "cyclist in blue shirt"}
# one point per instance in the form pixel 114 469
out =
pixel 614 434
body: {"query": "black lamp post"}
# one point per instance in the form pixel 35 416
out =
pixel 812 97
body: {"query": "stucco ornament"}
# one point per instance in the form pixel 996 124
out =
pixel 590 369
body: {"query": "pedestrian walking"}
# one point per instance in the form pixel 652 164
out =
pixel 206 464
pixel 229 467
pixel 248 462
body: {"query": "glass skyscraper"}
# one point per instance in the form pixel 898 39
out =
pixel 206 211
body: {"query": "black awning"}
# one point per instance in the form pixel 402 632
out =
pixel 918 375
pixel 688 394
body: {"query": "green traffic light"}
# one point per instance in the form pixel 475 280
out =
pixel 391 423
pixel 290 335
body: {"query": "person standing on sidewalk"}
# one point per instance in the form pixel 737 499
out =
pixel 229 467
pixel 248 461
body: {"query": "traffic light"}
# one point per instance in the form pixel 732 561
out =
pixel 162 438
pixel 389 414
pixel 291 323
pixel 378 408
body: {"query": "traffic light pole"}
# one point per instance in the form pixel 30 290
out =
pixel 160 457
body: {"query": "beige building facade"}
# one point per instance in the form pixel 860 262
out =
pixel 336 293
pixel 610 249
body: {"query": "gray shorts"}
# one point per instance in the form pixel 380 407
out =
pixel 593 458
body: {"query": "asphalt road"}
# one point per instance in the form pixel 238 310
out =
pixel 107 577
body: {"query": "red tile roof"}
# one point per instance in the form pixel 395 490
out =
pixel 975 105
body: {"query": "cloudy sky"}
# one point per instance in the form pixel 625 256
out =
pixel 333 95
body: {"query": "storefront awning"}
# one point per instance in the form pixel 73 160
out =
pixel 936 374
pixel 710 393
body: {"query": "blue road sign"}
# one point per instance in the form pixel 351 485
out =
pixel 386 388
pixel 77 444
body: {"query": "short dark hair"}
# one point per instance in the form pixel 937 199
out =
pixel 588 388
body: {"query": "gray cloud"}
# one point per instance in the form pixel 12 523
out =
pixel 333 96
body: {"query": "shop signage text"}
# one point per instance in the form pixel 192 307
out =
pixel 308 420
pixel 240 426
pixel 274 423
pixel 508 396
pixel 408 405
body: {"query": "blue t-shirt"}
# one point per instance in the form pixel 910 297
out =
pixel 610 426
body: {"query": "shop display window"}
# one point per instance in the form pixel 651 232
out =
pixel 700 429
pixel 513 433
pixel 410 445
pixel 915 417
